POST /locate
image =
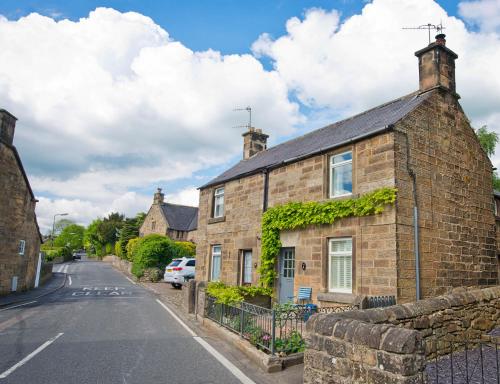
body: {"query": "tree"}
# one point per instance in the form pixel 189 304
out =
pixel 91 238
pixel 489 141
pixel 71 237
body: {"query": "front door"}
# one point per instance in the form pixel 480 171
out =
pixel 287 274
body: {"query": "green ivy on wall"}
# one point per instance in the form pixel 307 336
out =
pixel 300 215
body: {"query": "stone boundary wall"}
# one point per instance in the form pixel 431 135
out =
pixel 391 345
pixel 122 265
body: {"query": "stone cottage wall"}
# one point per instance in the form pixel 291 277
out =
pixel 455 200
pixel 391 345
pixel 17 222
pixel 374 239
pixel 160 224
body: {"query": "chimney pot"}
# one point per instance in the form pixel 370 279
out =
pixel 440 39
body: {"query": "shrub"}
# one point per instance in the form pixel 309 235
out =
pixel 188 247
pixel 109 249
pixel 131 247
pixel 118 249
pixel 154 251
pixel 227 294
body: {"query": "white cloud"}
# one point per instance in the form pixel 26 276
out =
pixel 483 13
pixel 110 103
pixel 187 196
pixel 348 66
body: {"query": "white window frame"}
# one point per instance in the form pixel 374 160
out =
pixel 332 169
pixel 333 254
pixel 219 202
pixel 215 254
pixel 22 247
pixel 244 266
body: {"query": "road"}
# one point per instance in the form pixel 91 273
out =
pixel 102 328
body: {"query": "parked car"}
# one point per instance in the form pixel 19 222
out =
pixel 78 254
pixel 179 271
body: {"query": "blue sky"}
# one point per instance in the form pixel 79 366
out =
pixel 112 104
pixel 224 25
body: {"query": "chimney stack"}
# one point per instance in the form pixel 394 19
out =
pixel 254 141
pixel 7 127
pixel 158 197
pixel 436 66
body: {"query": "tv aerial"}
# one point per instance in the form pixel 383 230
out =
pixel 249 110
pixel 430 27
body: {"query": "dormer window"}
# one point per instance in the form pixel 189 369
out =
pixel 341 174
pixel 219 202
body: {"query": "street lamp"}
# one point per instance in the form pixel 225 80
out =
pixel 54 224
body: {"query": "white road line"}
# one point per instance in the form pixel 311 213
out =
pixel 132 281
pixel 225 362
pixel 19 305
pixel 30 356
pixel 66 268
pixel 70 281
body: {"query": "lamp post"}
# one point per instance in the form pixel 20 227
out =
pixel 54 225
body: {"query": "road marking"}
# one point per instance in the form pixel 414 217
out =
pixel 30 356
pixel 225 362
pixel 66 268
pixel 70 281
pixel 132 281
pixel 19 305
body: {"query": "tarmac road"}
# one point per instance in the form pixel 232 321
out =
pixel 102 328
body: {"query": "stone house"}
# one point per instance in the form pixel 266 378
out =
pixel 175 221
pixel 422 144
pixel 20 238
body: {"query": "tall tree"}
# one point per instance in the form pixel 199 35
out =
pixel 71 237
pixel 489 141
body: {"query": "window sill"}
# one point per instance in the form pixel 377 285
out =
pixel 347 195
pixel 216 220
pixel 339 297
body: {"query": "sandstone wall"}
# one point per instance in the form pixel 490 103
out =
pixel 455 200
pixel 17 222
pixel 155 216
pixel 391 345
pixel 374 239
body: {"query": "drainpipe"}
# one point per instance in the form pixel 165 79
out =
pixel 416 234
pixel 266 189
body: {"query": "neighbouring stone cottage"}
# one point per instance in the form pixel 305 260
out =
pixel 422 144
pixel 20 238
pixel 175 221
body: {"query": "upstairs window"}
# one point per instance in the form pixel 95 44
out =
pixel 341 174
pixel 340 265
pixel 219 202
pixel 22 246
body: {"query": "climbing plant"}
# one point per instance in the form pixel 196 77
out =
pixel 299 215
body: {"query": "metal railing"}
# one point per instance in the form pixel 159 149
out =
pixel 277 330
pixel 272 330
pixel 463 362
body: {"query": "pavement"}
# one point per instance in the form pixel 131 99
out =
pixel 101 327
pixel 56 282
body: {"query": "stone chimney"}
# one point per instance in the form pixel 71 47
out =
pixel 7 127
pixel 254 141
pixel 158 197
pixel 436 65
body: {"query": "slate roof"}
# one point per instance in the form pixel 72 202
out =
pixel 180 217
pixel 368 123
